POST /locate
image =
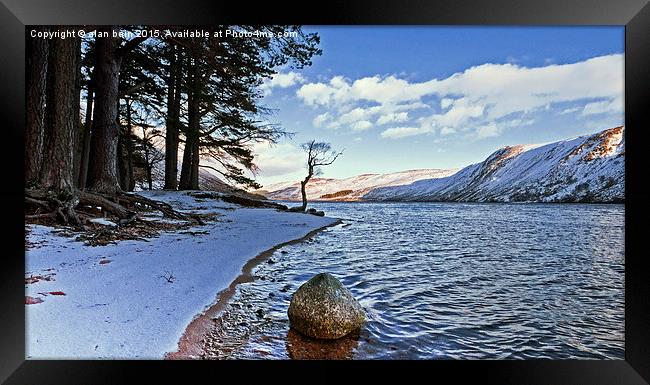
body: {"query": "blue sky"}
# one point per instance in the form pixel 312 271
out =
pixel 399 98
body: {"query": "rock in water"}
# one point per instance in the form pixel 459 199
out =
pixel 313 211
pixel 323 308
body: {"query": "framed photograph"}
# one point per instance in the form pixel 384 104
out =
pixel 447 186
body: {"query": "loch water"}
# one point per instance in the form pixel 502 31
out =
pixel 449 281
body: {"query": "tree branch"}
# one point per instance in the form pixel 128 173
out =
pixel 327 163
pixel 211 168
pixel 130 46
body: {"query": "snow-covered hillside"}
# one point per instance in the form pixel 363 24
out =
pixel 586 169
pixel 349 189
pixel 208 179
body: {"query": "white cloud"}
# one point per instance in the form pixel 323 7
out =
pixel 446 102
pixel 447 131
pixel 282 80
pixel 402 132
pixel 393 117
pixel 475 97
pixel 493 129
pixel 320 120
pixel 461 111
pixel 280 159
pixel 323 94
pixel 614 105
pixel 488 130
pixel 507 88
pixel 286 80
pixel 361 116
pixel 354 115
pixel 570 110
pixel 339 91
pixel 361 125
pixel 519 123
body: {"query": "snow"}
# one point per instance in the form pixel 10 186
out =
pixel 208 178
pixel 589 167
pixel 103 221
pixel 357 185
pixel 116 301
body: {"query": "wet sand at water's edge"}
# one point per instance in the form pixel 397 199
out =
pixel 192 342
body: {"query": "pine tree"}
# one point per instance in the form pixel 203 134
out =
pixel 57 176
pixel 36 73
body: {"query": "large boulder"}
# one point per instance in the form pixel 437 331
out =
pixel 323 308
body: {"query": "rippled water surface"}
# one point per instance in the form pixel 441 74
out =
pixel 447 280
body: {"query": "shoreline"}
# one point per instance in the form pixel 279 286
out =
pixel 461 202
pixel 135 298
pixel 189 345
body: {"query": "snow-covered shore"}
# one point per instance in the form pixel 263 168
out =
pixel 119 301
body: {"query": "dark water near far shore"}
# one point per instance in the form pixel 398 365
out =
pixel 449 281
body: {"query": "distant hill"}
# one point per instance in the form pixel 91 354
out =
pixel 589 168
pixel 208 181
pixel 348 189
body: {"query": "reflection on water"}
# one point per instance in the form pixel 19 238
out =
pixel 300 347
pixel 445 280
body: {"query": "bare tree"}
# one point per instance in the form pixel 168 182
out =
pixel 151 155
pixel 318 154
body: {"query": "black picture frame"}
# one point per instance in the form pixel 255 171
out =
pixel 15 15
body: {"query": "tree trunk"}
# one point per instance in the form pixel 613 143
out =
pixel 194 171
pixel 149 177
pixel 78 128
pixel 303 186
pixel 122 161
pixel 195 123
pixel 103 163
pixel 56 173
pixel 173 115
pixel 129 146
pixel 85 151
pixel 147 162
pixel 189 169
pixel 304 194
pixel 36 81
pixel 57 170
pixel 125 148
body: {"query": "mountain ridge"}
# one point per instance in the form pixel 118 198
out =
pixel 589 168
pixel 347 189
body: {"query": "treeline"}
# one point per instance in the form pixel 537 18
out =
pixel 96 105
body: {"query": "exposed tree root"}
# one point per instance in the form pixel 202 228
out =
pixel 124 215
pixel 242 201
pixel 80 207
pixel 60 206
pixel 40 216
pixel 163 207
pixel 37 202
pixel 139 229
